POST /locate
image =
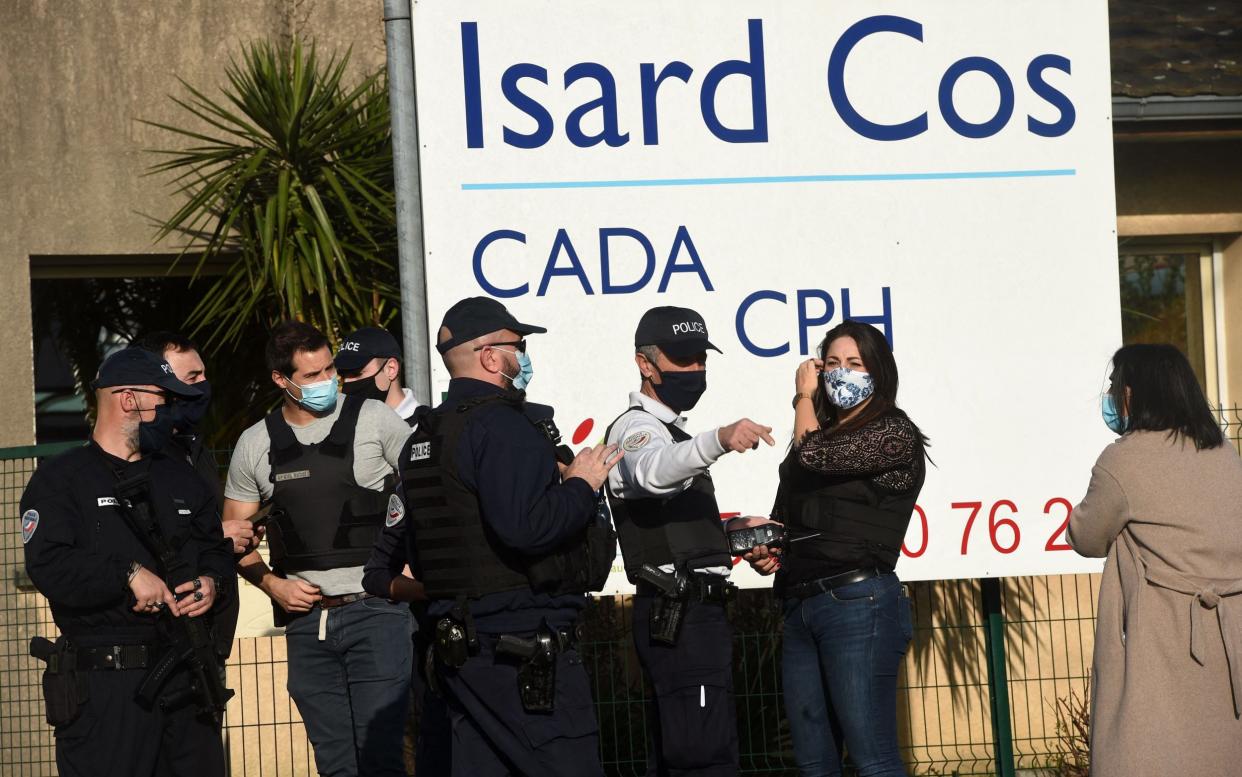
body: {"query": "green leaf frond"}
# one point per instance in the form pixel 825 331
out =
pixel 287 171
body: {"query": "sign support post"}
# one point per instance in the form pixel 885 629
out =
pixel 399 38
pixel 998 680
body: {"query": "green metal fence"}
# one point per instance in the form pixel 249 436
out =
pixel 978 692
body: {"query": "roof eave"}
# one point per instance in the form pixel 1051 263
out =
pixel 1165 108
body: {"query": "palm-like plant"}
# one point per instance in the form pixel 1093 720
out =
pixel 290 173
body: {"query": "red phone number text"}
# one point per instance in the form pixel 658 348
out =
pixel 1002 530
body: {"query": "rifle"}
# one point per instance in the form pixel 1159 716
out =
pixel 192 643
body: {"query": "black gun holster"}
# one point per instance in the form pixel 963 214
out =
pixel 65 688
pixel 536 656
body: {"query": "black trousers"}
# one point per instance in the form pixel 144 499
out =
pixel 494 736
pixel 433 754
pixel 696 722
pixel 114 736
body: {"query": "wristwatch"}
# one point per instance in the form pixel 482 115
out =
pixel 798 396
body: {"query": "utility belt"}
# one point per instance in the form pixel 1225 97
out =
pixel 65 687
pixel 456 640
pixel 674 592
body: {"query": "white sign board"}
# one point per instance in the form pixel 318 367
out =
pixel 941 170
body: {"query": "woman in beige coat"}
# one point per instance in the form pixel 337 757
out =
pixel 1165 507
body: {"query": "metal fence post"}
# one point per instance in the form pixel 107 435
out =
pixel 998 680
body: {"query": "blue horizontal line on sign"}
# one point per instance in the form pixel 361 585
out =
pixel 762 179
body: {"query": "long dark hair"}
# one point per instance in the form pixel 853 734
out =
pixel 1164 394
pixel 877 355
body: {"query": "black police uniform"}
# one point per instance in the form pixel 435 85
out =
pixel 433 748
pixel 690 669
pixel 674 548
pixel 501 546
pixel 78 552
pixel 191 448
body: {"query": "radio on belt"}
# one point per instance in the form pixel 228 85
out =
pixel 747 532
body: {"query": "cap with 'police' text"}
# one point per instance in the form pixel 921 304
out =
pixel 140 367
pixel 678 332
pixel 360 347
pixel 477 316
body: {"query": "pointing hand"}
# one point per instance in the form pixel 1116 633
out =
pixel 744 435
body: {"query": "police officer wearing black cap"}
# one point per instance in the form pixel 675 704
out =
pixel 505 540
pixel 369 363
pixel 674 546
pixel 105 586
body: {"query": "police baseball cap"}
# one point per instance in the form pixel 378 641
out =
pixel 359 348
pixel 477 316
pixel 139 367
pixel 679 332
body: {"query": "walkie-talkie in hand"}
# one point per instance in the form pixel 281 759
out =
pixel 548 427
pixel 669 608
pixel 747 532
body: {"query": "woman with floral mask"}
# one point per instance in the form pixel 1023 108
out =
pixel 1165 507
pixel 847 490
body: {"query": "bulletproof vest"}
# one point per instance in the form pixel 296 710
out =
pixel 854 509
pixel 454 552
pixel 683 530
pixel 324 518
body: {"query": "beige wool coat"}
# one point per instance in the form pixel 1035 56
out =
pixel 1165 695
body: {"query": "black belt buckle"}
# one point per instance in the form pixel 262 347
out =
pixel 113 657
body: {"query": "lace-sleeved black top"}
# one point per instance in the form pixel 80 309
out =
pixel 854 490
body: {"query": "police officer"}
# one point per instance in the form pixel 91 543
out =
pixel 105 587
pixel 188 443
pixel 326 465
pixel 369 363
pixel 674 546
pixel 505 541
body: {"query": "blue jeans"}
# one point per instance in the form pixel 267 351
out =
pixel 842 650
pixel 353 687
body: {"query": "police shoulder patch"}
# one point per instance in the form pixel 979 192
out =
pixel 396 511
pixel 30 522
pixel 636 441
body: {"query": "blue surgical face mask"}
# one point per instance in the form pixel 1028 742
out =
pixel 848 388
pixel 317 397
pixel 1113 419
pixel 525 371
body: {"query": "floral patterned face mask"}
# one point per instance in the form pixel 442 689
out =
pixel 847 388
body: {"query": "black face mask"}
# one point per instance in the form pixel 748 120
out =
pixel 681 390
pixel 366 388
pixel 189 413
pixel 154 435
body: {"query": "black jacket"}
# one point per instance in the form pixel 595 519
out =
pixel 79 548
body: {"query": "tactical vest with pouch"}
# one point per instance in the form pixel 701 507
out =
pixel 324 518
pixel 853 509
pixel 455 553
pixel 683 529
